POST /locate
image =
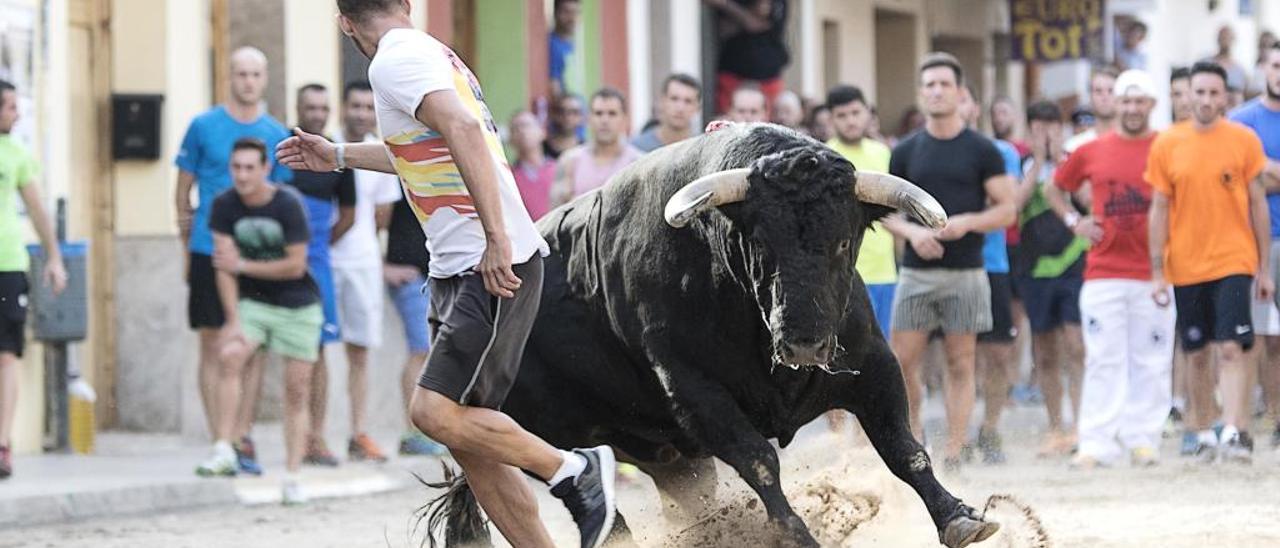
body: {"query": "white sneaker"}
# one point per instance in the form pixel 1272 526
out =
pixel 220 464
pixel 291 494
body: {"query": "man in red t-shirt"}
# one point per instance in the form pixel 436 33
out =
pixel 1128 338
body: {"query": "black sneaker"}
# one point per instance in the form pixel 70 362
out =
pixel 1205 452
pixel 590 497
pixel 951 464
pixel 1236 449
pixel 6 462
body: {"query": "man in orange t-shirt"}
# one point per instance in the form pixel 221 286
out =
pixel 1210 236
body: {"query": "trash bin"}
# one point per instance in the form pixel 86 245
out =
pixel 57 320
pixel 64 317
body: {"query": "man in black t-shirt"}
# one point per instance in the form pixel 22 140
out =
pixel 755 50
pixel 405 272
pixel 270 301
pixel 943 283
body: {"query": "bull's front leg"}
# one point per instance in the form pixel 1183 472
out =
pixel 687 488
pixel 714 418
pixel 881 409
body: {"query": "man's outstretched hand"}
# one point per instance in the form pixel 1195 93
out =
pixel 307 151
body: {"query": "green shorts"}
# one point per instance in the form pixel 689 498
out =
pixel 289 332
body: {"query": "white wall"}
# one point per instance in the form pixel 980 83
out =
pixel 642 85
pixel 686 36
pixel 313 53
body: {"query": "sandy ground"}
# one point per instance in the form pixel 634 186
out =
pixel 836 482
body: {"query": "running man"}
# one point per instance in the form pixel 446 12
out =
pixel 18 172
pixel 1211 239
pixel 441 139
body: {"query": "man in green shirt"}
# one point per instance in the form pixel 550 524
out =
pixel 1049 272
pixel 17 177
pixel 851 117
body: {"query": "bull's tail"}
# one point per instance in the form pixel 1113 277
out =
pixel 455 511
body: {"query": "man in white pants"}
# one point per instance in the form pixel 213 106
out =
pixel 1128 338
pixel 357 266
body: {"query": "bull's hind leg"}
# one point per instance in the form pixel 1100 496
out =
pixel 708 410
pixel 881 408
pixel 687 488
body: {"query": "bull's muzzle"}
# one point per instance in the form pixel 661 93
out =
pixel 807 352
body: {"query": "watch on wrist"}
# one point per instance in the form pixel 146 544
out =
pixel 340 155
pixel 1071 219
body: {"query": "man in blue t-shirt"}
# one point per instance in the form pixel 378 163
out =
pixel 995 348
pixel 1262 115
pixel 330 199
pixel 560 43
pixel 203 162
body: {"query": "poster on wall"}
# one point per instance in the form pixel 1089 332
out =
pixel 1057 30
pixel 17 63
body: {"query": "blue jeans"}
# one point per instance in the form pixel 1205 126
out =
pixel 412 303
pixel 882 304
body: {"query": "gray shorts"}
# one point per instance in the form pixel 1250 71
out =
pixel 1275 263
pixel 479 338
pixel 956 301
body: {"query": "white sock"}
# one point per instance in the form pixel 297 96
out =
pixel 571 465
pixel 223 448
pixel 1207 437
pixel 1229 433
pixel 292 477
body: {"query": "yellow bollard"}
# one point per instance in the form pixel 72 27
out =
pixel 80 418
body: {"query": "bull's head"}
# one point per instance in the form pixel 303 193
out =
pixel 799 221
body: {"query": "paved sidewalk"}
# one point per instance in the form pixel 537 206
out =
pixel 143 473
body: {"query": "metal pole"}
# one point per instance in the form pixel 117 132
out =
pixel 57 432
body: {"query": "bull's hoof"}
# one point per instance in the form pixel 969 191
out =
pixel 964 530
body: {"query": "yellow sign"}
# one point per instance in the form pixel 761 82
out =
pixel 1054 30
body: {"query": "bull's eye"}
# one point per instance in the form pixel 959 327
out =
pixel 843 246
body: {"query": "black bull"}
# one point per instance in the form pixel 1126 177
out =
pixel 666 343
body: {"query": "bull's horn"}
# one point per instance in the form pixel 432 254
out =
pixel 898 193
pixel 708 191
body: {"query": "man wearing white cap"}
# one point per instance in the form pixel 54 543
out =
pixel 1128 338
